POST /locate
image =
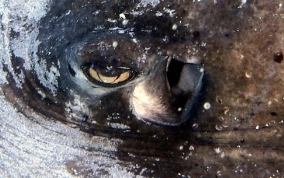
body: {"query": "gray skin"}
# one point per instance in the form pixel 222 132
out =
pixel 46 116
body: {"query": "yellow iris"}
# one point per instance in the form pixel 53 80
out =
pixel 109 80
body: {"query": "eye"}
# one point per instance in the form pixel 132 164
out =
pixel 109 79
pixel 108 76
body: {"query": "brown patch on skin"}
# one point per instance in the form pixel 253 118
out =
pixel 240 65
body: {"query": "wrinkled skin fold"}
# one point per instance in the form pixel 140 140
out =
pixel 87 88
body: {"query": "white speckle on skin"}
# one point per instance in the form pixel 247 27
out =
pixel 227 111
pixel 219 173
pixel 207 105
pixel 203 44
pixel 170 12
pixel 181 147
pixel 248 74
pixel 68 12
pixel 121 31
pixel 111 20
pixel 219 127
pixel 174 27
pixel 223 155
pixel 191 148
pixel 217 150
pixel 114 44
pixel 257 127
pixel 122 16
pixel 195 126
pixel 119 126
pixel 158 14
pixel 125 22
pixel 94 122
pixel 243 2
pixel 42 94
pixel 145 3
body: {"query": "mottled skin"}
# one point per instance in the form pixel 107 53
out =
pixel 76 35
pixel 241 135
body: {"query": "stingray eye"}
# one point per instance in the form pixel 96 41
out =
pixel 122 77
pixel 105 75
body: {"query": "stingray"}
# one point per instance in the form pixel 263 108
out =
pixel 141 88
pixel 103 50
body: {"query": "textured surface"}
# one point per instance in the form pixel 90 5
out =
pixel 241 134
